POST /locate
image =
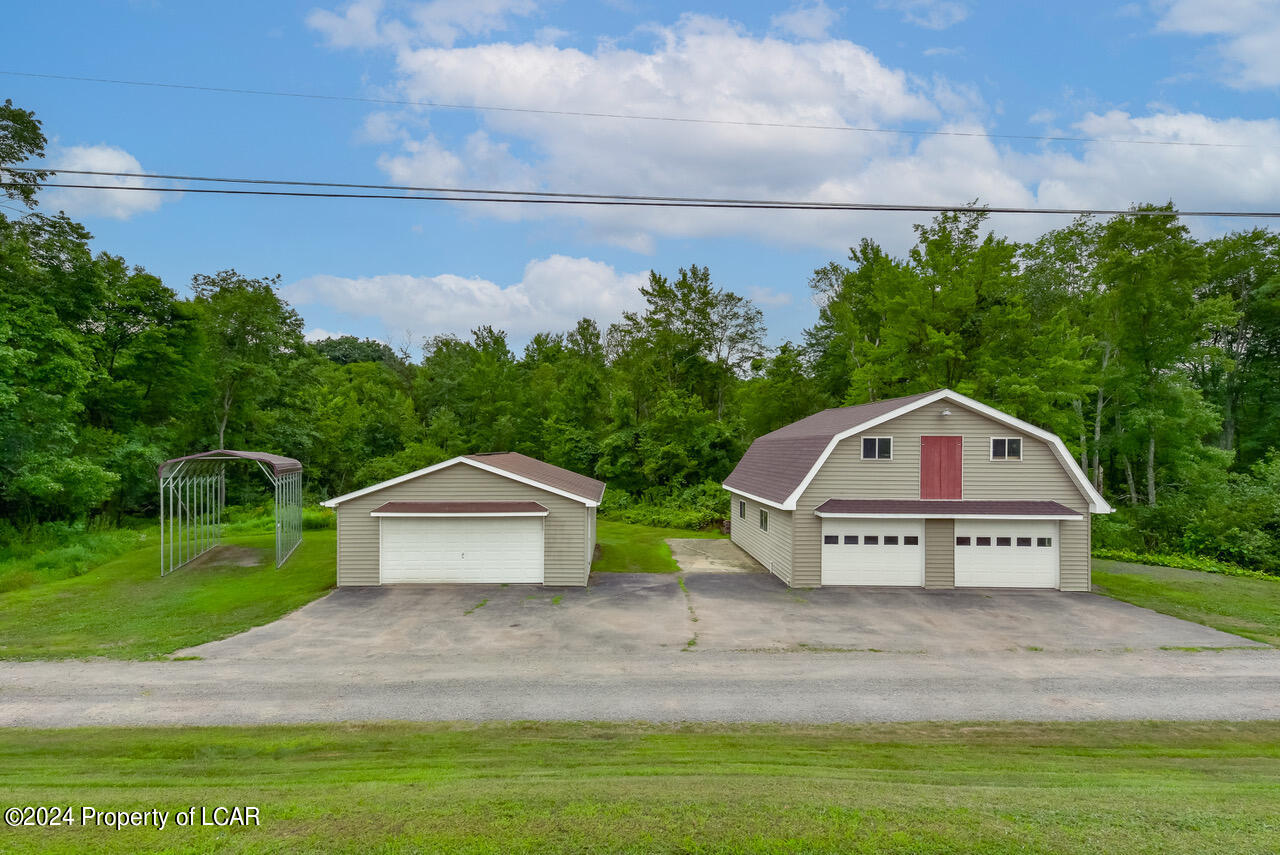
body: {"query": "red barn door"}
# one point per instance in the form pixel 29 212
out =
pixel 941 461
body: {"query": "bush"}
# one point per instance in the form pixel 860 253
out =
pixel 58 550
pixel 700 506
pixel 1185 562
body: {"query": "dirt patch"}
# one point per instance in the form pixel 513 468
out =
pixel 709 555
pixel 228 556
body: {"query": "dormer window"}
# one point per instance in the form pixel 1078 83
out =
pixel 1006 448
pixel 877 448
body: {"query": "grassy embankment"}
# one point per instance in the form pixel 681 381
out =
pixel 513 788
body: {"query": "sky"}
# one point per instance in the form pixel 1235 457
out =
pixel 1202 71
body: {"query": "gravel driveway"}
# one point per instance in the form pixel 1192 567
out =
pixel 724 646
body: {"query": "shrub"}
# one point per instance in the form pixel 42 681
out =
pixel 1184 562
pixel 700 506
pixel 58 550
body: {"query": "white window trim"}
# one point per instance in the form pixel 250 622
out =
pixel 991 449
pixel 742 509
pixel 763 520
pixel 877 438
pixel 1097 504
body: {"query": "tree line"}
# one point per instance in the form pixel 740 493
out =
pixel 1155 355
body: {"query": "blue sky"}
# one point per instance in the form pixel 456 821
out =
pixel 1189 70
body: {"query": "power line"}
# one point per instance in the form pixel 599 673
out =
pixel 492 108
pixel 644 203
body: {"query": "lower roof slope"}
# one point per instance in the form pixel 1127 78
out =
pixel 776 463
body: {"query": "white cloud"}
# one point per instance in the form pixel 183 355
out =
pixel 712 69
pixel 355 26
pixel 762 296
pixel 831 82
pixel 116 204
pixel 363 24
pixel 930 14
pixel 806 21
pixel 552 295
pixel 943 51
pixel 1247 34
pixel 320 334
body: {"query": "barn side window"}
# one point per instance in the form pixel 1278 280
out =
pixel 742 509
pixel 1006 448
pixel 764 520
pixel 877 448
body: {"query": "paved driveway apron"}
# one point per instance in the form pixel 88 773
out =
pixel 699 645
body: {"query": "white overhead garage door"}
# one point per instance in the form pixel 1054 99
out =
pixel 461 549
pixel 872 552
pixel 1006 554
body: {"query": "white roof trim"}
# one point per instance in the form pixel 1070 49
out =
pixel 461 514
pixel 1097 504
pixel 754 498
pixel 942 516
pixel 333 503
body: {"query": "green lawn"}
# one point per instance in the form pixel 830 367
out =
pixel 123 609
pixel 1245 606
pixel 627 548
pixel 593 788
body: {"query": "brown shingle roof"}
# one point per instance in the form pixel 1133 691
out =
pixel 543 473
pixel 460 508
pixel 777 462
pixel 945 508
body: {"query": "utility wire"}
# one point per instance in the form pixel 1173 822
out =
pixel 642 203
pixel 492 108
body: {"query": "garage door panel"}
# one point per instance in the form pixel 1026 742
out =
pixel 873 552
pixel 462 549
pixel 1006 554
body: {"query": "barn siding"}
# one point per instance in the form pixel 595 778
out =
pixel 771 548
pixel 939 553
pixel 845 475
pixel 566 533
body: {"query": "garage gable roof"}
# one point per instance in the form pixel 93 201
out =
pixel 779 466
pixel 509 464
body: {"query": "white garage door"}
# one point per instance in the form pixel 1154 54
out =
pixel 461 549
pixel 872 552
pixel 1006 554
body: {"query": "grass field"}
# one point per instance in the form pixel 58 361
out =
pixel 627 548
pixel 590 788
pixel 123 609
pixel 1241 605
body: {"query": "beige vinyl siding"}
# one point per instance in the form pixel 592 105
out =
pixel 845 475
pixel 771 548
pixel 939 553
pixel 565 534
pixel 591 536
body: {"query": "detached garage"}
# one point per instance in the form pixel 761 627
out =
pixel 489 518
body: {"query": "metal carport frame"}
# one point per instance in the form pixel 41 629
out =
pixel 193 497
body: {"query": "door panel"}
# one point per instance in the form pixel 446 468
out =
pixel 1006 554
pixel 461 549
pixel 895 558
pixel 941 467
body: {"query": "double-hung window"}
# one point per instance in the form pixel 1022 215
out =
pixel 764 520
